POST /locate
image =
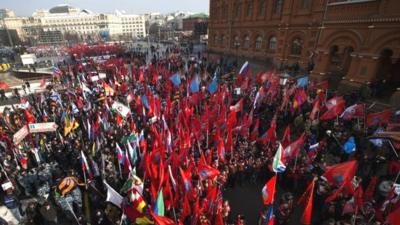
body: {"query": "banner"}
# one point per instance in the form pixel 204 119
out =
pixel 21 134
pixel 42 127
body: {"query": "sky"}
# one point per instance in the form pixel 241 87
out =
pixel 27 7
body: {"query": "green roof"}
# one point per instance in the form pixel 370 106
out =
pixel 198 15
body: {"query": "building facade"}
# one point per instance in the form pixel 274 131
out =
pixel 355 39
pixel 70 21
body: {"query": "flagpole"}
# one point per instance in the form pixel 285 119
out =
pixel 73 213
pixel 173 210
pixel 395 152
pixel 119 168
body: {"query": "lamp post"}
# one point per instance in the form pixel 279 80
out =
pixel 237 46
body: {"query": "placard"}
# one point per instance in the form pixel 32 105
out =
pixel 20 135
pixel 42 127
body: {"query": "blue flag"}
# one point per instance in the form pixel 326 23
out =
pixel 213 86
pixel 145 101
pixel 302 82
pixel 176 79
pixel 195 85
pixel 350 145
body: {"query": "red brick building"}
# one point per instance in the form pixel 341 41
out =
pixel 355 39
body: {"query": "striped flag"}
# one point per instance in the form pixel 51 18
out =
pixel 120 154
pixel 278 165
pixel 159 205
pixel 85 165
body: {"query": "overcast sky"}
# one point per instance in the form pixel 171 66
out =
pixel 27 7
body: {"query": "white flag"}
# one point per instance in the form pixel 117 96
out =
pixel 113 196
pixel 121 109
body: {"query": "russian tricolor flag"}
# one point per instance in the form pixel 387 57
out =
pixel 245 69
pixel 85 165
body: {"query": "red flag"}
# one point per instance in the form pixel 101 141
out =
pixel 394 217
pixel 270 135
pixel 307 215
pixel 238 106
pixel 294 148
pixel 232 120
pixel 316 108
pixel 28 116
pixel 335 106
pixel 221 150
pixel 162 220
pixel 186 208
pixel 219 220
pixel 335 194
pixel 340 173
pixel 119 120
pixel 334 102
pixel 379 118
pixel 286 137
pixel 254 132
pixel 268 191
pixel 186 180
pixel 207 172
pixel 353 111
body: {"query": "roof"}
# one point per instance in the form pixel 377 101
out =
pixel 198 15
pixel 60 9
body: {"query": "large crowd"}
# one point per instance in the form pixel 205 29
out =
pixel 160 140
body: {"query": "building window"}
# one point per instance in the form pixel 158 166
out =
pixel 297 46
pixel 249 9
pixel 306 4
pixel 258 42
pixel 246 41
pixel 261 8
pixel 215 39
pixel 222 40
pixel 237 10
pixel 236 42
pixel 273 43
pixel 278 6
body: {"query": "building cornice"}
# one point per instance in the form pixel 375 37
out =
pixel 370 20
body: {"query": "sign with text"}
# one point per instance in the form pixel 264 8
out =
pixel 42 127
pixel 20 135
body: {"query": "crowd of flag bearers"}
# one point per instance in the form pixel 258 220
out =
pixel 159 142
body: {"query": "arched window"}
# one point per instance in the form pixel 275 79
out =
pixel 273 43
pixel 222 40
pixel 261 7
pixel 236 42
pixel 278 6
pixel 246 41
pixel 297 46
pixel 215 39
pixel 258 42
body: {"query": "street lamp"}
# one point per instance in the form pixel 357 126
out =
pixel 237 46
